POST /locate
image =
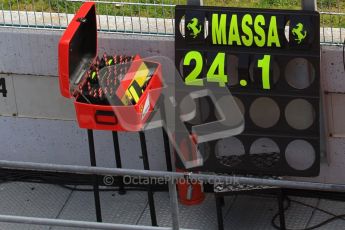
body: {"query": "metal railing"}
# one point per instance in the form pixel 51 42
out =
pixel 76 224
pixel 154 17
pixel 170 177
pixel 332 21
pixel 151 17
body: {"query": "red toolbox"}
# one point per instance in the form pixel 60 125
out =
pixel 128 106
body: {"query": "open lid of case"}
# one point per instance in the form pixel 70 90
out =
pixel 77 48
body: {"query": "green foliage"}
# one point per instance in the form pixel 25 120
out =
pixel 281 4
pixel 327 3
pixel 168 12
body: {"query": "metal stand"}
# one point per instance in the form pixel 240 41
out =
pixel 95 180
pixel 147 167
pixel 165 136
pixel 166 142
pixel 119 165
pixel 219 211
pixel 167 150
pixel 280 197
pixel 122 190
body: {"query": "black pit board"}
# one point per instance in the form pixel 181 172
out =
pixel 283 77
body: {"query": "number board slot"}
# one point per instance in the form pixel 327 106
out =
pixel 270 61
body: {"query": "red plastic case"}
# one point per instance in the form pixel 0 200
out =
pixel 77 51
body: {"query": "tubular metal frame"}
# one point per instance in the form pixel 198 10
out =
pixel 77 224
pixel 172 178
pixel 146 17
pixel 122 190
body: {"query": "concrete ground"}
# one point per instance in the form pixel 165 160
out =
pixel 240 212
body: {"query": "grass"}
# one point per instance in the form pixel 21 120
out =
pixel 168 12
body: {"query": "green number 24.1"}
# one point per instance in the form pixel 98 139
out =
pixel 219 63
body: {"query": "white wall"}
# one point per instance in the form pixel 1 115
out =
pixel 37 123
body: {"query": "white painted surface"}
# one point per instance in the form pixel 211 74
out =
pixel 40 97
pixel 8 105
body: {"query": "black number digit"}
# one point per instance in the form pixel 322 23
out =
pixel 3 89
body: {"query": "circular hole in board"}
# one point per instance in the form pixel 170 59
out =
pixel 264 112
pixel 192 63
pixel 264 153
pixel 204 149
pixel 187 108
pixel 229 151
pixel 299 114
pixel 232 70
pixel 181 67
pixel 187 149
pixel 182 26
pixel 300 154
pixel 206 28
pixel 287 31
pixel 183 31
pixel 240 105
pixel 299 73
pixel 275 73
